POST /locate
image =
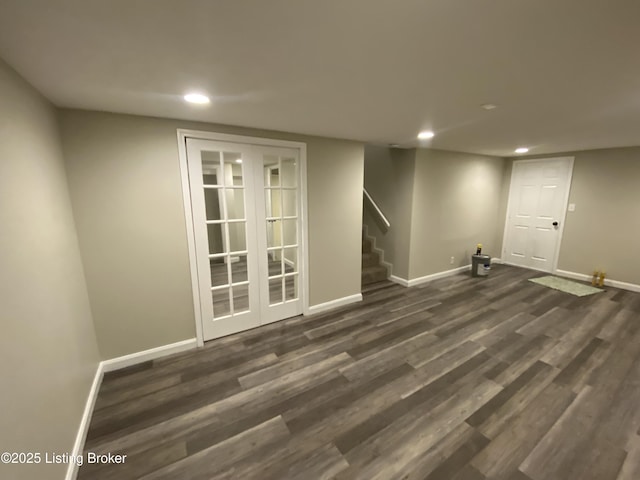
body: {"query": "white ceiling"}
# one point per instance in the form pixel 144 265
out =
pixel 565 73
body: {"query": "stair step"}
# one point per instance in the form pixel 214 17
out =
pixel 370 259
pixel 374 274
pixel 366 245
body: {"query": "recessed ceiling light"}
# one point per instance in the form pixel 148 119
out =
pixel 489 106
pixel 425 135
pixel 198 98
pixel 522 150
pixel 238 160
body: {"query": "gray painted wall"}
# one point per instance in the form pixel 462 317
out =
pixel 48 350
pixel 457 200
pixel 124 180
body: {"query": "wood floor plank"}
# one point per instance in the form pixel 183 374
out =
pixel 203 372
pixel 574 340
pixel 281 368
pixel 620 421
pixel 205 437
pixel 127 371
pixel 600 461
pixel 369 409
pixel 122 395
pixel 506 451
pixel 443 364
pixel 517 348
pixel 243 403
pixel 489 408
pixel 134 468
pixel 170 409
pixel 468 472
pixel 199 465
pixel 432 458
pixel 365 392
pixel 568 373
pixel 450 467
pixel 522 358
pixel 557 451
pixel 544 324
pixel 342 325
pixel 391 338
pixel 500 331
pixel 325 463
pixel 612 328
pixel 462 378
pixel 428 397
pixel 518 475
pixel 630 469
pixel 191 384
pixel 493 420
pixel 410 437
pixel 389 357
pixel 329 417
pixel 623 352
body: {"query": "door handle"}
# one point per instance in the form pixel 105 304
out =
pixel 555 224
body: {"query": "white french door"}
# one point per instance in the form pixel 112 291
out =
pixel 536 212
pixel 246 209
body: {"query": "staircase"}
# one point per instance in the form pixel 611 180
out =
pixel 372 271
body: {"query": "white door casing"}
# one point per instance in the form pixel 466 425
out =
pixel 249 276
pixel 536 212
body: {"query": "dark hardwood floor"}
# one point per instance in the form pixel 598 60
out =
pixel 460 379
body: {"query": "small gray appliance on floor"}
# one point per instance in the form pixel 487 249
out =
pixel 480 265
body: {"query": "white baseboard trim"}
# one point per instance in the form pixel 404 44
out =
pixel 573 275
pixel 339 302
pixel 428 278
pixel 632 287
pixel 399 280
pixel 497 260
pixel 78 445
pixel 151 354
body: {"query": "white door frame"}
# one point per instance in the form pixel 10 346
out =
pixel 505 235
pixel 183 134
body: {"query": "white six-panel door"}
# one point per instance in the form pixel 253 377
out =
pixel 246 212
pixel 536 212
